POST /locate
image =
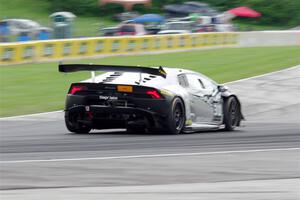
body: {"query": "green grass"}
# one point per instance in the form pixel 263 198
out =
pixel 33 88
pixel 38 10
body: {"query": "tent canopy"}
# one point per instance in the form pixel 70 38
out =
pixel 127 4
pixel 149 18
pixel 244 12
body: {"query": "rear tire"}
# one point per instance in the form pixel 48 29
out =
pixel 72 124
pixel 176 117
pixel 232 113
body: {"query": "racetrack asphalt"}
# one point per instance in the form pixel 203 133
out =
pixel 260 160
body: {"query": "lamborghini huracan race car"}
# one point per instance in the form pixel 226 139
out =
pixel 150 99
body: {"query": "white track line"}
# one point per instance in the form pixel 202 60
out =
pixel 263 75
pixel 31 115
pixel 146 156
pixel 253 77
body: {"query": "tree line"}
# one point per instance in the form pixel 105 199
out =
pixel 275 12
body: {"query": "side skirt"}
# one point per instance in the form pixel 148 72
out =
pixel 201 127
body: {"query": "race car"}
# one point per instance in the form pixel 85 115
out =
pixel 166 100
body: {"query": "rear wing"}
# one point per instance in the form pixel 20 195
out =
pixel 111 68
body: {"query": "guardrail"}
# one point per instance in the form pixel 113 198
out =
pixel 51 50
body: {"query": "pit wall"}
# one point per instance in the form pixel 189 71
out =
pixel 59 50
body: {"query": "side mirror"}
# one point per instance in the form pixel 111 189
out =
pixel 222 88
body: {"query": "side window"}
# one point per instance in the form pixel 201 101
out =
pixel 195 82
pixel 208 84
pixel 182 80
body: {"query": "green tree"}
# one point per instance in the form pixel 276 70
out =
pixel 275 12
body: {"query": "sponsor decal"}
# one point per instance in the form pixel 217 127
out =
pixel 157 43
pixel 28 52
pixel 169 42
pixel 194 41
pixel 115 45
pixel 83 48
pixel 108 97
pixel 67 49
pixel 8 54
pixel 166 92
pixel 145 44
pixel 182 41
pixel 131 45
pixel 48 50
pixel 188 122
pixel 99 46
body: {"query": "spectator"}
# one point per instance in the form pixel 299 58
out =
pixel 4 31
pixel 23 37
pixel 43 35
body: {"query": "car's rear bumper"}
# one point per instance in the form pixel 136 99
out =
pixel 102 117
pixel 159 106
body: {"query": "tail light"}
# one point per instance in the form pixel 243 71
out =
pixel 154 94
pixel 76 88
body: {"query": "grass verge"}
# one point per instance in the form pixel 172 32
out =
pixel 33 88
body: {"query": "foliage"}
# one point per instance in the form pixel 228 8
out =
pixel 274 12
pixel 84 7
pixel 284 12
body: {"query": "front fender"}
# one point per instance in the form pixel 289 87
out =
pixel 227 94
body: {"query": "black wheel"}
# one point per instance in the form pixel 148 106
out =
pixel 72 124
pixel 232 113
pixel 176 117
